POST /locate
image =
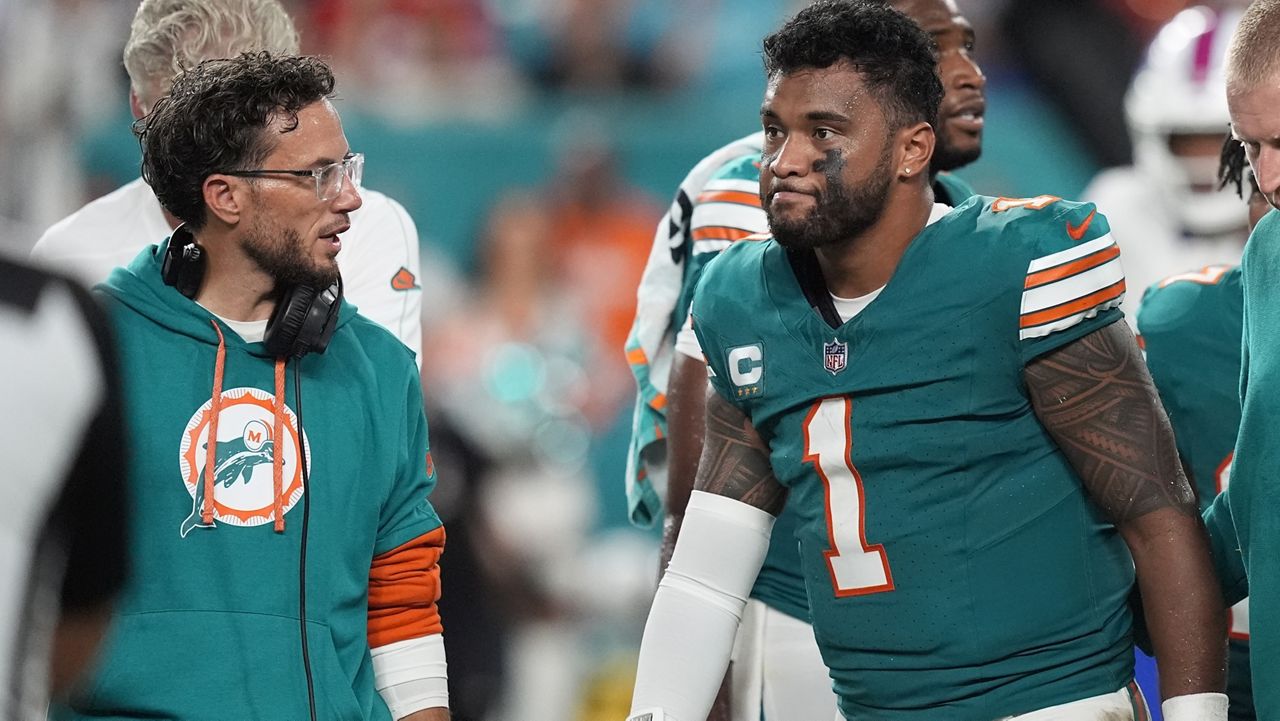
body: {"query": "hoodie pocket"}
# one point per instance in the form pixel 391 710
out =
pixel 196 665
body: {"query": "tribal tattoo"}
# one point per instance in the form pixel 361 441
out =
pixel 735 460
pixel 1097 400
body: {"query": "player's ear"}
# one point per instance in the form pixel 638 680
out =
pixel 225 197
pixel 915 150
pixel 136 106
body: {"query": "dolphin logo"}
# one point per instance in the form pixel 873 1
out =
pixel 235 461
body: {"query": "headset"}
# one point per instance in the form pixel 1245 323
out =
pixel 302 322
pixel 304 317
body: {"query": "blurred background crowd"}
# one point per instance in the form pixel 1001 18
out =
pixel 536 144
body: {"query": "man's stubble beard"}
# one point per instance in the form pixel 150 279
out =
pixel 841 212
pixel 279 253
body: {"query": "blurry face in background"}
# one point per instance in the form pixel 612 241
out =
pixel 1255 122
pixel 961 114
pixel 1199 155
pixel 828 152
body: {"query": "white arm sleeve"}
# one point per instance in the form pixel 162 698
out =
pixel 412 675
pixel 687 341
pixel 695 613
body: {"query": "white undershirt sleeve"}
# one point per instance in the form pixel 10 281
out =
pixel 695 613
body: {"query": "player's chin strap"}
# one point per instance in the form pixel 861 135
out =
pixel 1196 707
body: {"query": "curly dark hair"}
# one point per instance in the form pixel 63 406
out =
pixel 893 54
pixel 214 120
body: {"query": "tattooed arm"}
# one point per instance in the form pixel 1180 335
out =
pixel 725 535
pixel 735 460
pixel 1097 400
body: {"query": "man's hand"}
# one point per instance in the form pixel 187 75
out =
pixel 428 714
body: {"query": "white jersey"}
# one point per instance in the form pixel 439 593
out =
pixel 379 256
pixel 1154 245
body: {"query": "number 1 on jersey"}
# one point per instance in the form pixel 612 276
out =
pixel 856 568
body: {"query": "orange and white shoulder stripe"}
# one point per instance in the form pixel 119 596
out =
pixel 1064 288
pixel 1208 275
pixel 727 210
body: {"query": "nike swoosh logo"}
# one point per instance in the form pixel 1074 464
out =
pixel 1077 232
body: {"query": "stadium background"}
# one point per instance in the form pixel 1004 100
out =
pixel 536 143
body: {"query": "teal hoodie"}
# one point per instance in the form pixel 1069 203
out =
pixel 209 625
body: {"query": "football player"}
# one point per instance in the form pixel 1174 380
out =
pixel 777 670
pixel 945 400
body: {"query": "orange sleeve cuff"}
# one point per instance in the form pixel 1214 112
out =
pixel 404 585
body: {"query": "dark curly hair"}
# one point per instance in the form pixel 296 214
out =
pixel 214 120
pixel 1231 164
pixel 894 56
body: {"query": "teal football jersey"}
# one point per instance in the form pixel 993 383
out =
pixel 725 211
pixel 1190 326
pixel 955 568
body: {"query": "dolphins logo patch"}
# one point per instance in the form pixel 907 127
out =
pixel 242 470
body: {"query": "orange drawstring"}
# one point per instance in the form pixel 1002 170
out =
pixel 277 460
pixel 215 409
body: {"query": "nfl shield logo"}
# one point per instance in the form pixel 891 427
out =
pixel 834 356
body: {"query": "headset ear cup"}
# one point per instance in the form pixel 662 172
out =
pixel 303 321
pixel 287 321
pixel 183 263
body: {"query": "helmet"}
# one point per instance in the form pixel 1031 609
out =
pixel 1180 91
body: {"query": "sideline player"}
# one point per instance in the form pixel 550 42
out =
pixel 777 670
pixel 1190 325
pixel 1167 211
pixel 379 258
pixel 953 408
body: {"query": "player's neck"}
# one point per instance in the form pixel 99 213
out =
pixel 865 263
pixel 234 286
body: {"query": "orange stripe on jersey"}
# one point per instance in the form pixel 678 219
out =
pixel 659 402
pixel 1079 305
pixel 637 357
pixel 404 585
pixel 1075 267
pixel 719 232
pixel 1208 275
pixel 741 197
pixel 759 236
